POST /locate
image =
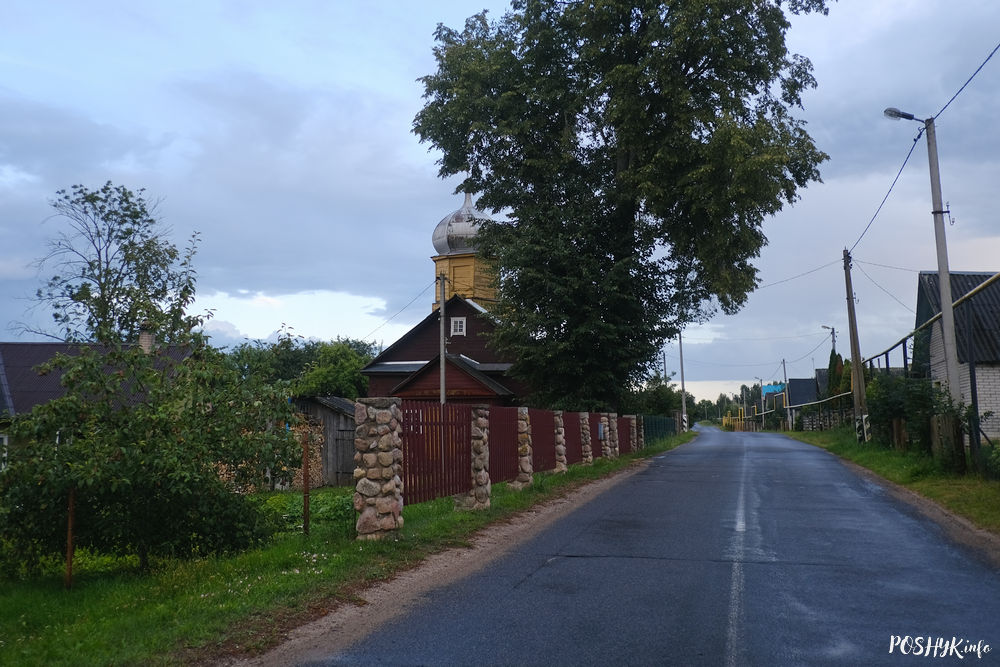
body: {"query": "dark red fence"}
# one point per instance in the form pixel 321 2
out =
pixel 572 437
pixel 624 435
pixel 503 444
pixel 543 439
pixel 437 457
pixel 595 442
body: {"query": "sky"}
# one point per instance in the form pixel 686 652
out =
pixel 281 134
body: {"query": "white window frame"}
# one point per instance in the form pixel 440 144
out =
pixel 458 327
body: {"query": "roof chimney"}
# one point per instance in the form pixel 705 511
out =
pixel 146 338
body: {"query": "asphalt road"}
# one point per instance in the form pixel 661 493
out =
pixel 735 549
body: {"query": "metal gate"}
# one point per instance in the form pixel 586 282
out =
pixel 437 451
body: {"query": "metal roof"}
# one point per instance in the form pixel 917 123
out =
pixel 979 316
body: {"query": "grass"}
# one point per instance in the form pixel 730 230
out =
pixel 190 611
pixel 970 496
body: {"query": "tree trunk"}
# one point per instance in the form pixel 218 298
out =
pixel 70 516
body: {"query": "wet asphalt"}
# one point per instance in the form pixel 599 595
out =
pixel 735 549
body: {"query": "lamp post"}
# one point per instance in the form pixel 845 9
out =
pixel 944 277
pixel 833 337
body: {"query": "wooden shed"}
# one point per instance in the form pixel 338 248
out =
pixel 336 415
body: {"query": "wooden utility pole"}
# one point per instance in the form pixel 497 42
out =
pixel 857 367
pixel 684 401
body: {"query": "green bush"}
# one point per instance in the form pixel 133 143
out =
pixel 915 400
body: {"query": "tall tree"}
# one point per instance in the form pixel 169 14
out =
pixel 117 271
pixel 638 147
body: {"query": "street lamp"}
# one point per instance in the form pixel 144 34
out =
pixel 944 277
pixel 833 336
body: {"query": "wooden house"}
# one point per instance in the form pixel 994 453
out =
pixel 474 373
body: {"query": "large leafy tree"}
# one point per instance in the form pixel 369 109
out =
pixel 117 271
pixel 147 449
pixel 637 148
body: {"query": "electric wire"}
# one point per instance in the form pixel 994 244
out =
pixel 893 296
pixel 916 139
pixel 968 82
pixel 889 192
pixel 886 266
pixel 399 311
pixel 818 268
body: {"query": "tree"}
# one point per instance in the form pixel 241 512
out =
pixel 657 396
pixel 314 368
pixel 117 271
pixel 638 148
pixel 144 454
pixel 336 370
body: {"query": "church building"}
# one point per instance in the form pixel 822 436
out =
pixel 411 367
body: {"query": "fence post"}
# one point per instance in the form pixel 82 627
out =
pixel 609 447
pixel 378 472
pixel 586 448
pixel 560 428
pixel 525 460
pixel 481 492
pixel 633 432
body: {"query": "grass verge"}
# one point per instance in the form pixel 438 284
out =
pixel 969 496
pixel 195 611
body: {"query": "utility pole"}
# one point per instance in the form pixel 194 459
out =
pixel 857 369
pixel 944 276
pixel 684 402
pixel 442 350
pixel 784 372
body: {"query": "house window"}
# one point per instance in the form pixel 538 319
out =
pixel 458 326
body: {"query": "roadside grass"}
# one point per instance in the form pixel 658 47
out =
pixel 970 496
pixel 194 611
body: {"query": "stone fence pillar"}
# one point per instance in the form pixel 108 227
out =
pixel 633 434
pixel 378 460
pixel 585 443
pixel 482 489
pixel 560 428
pixel 525 455
pixel 640 432
pixel 609 445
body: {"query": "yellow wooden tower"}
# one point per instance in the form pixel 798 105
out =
pixel 465 273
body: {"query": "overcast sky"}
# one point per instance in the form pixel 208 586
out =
pixel 281 133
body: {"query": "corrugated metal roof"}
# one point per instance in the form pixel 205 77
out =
pixel 982 312
pixel 801 391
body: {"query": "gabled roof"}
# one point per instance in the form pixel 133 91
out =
pixel 463 363
pixel 801 391
pixel 379 363
pixel 21 387
pixel 984 309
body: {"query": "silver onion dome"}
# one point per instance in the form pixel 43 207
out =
pixel 453 235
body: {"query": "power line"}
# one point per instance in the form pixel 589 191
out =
pixel 915 140
pixel 818 268
pixel 886 266
pixel 795 361
pixel 400 310
pixel 860 268
pixel 968 82
pixel 889 192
